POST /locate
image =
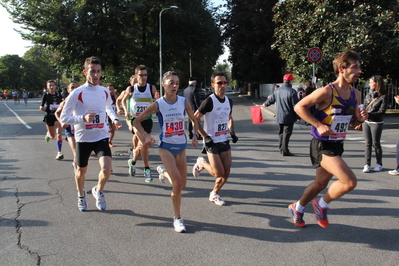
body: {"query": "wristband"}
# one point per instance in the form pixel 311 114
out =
pixel 196 134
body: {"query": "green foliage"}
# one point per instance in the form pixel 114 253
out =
pixel 248 29
pixel 225 68
pixel 30 72
pixel 369 27
pixel 123 33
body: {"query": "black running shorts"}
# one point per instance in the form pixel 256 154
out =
pixel 217 148
pixel 49 119
pixel 84 149
pixel 320 147
pixel 146 124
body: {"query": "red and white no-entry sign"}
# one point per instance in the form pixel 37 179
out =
pixel 314 55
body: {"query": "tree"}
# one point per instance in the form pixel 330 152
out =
pixel 12 68
pixel 370 27
pixel 123 33
pixel 248 29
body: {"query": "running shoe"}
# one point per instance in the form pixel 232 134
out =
pixel 178 223
pixel 298 216
pixel 393 172
pixel 213 197
pixel 59 156
pixel 366 169
pixel 197 168
pixel 161 170
pixel 147 175
pixel 100 199
pixel 132 168
pixel 378 168
pixel 46 138
pixel 320 213
pixel 82 204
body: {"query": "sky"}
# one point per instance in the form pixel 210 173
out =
pixel 14 44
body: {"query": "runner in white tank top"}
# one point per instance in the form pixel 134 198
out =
pixel 172 145
pixel 218 122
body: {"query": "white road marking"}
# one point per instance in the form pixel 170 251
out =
pixel 19 118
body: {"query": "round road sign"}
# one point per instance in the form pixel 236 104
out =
pixel 314 55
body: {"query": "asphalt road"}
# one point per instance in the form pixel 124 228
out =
pixel 40 223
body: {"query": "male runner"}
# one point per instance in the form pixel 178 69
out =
pixel 139 97
pixel 217 110
pixel 88 108
pixel 336 109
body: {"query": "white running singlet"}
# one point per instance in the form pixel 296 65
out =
pixel 140 100
pixel 216 122
pixel 171 119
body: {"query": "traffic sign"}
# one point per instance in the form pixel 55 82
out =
pixel 314 55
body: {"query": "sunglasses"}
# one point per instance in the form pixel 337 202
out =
pixel 143 75
pixel 221 82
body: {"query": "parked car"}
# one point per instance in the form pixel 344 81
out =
pixel 229 89
pixel 208 91
pixel 202 93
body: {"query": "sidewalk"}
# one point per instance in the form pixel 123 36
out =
pixel 391 119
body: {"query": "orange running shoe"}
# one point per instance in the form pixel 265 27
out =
pixel 320 214
pixel 298 217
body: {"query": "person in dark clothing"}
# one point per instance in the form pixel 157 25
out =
pixel 376 105
pixel 192 95
pixel 285 99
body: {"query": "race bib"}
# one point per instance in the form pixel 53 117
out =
pixel 54 107
pixel 339 126
pixel 221 127
pixel 98 122
pixel 173 127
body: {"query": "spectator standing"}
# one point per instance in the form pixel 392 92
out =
pixel 192 96
pixel 301 92
pixel 376 106
pixel 396 170
pixel 285 99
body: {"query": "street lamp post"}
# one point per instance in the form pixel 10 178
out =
pixel 160 48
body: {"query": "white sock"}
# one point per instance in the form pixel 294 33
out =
pixel 322 203
pixel 299 207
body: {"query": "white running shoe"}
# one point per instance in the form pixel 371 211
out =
pixel 213 197
pixel 393 172
pixel 178 223
pixel 100 199
pixel 197 168
pixel 82 204
pixel 147 175
pixel 377 168
pixel 366 169
pixel 161 170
